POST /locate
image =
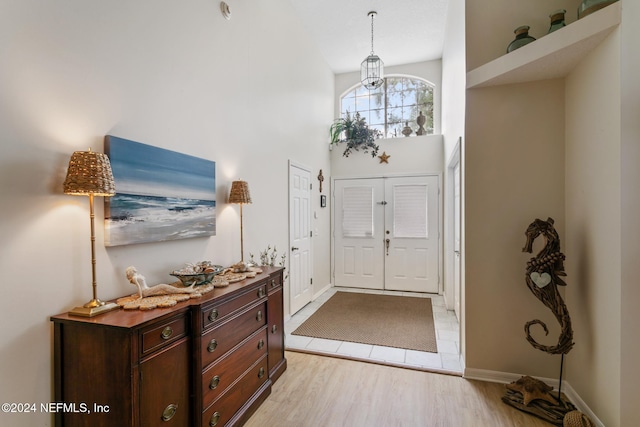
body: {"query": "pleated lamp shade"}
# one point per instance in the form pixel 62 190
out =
pixel 89 173
pixel 239 192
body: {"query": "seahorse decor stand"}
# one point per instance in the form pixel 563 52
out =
pixel 543 276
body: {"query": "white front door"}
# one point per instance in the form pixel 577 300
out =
pixel 412 234
pixel 386 233
pixel 299 237
pixel 359 233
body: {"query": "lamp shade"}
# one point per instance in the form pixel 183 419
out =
pixel 239 192
pixel 89 173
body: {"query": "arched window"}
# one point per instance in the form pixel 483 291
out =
pixel 398 102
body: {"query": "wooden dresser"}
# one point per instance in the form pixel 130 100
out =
pixel 207 362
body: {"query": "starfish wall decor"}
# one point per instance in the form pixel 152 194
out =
pixel 384 157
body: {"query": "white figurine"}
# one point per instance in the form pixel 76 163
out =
pixel 138 280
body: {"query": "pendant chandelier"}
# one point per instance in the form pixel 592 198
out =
pixel 371 69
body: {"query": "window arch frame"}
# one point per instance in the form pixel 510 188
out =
pixel 387 126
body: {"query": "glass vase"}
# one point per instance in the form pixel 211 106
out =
pixel 557 20
pixel 589 6
pixel 522 38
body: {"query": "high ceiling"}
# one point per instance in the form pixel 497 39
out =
pixel 405 31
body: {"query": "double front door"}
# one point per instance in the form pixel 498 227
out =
pixel 386 233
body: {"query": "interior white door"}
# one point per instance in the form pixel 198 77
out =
pixel 412 241
pixel 456 240
pixel 300 260
pixel 359 233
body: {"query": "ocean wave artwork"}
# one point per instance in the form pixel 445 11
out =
pixel 160 194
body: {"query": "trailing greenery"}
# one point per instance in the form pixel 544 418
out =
pixel 355 133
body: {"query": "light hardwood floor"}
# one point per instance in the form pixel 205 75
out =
pixel 325 391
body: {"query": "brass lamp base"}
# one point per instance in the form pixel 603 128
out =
pixel 93 308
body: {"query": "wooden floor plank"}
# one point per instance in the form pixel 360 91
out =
pixel 324 391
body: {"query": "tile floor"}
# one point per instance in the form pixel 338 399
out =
pixel 447 334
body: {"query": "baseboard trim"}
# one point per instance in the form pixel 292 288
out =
pixel 506 378
pixel 321 291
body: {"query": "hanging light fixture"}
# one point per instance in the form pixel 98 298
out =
pixel 371 69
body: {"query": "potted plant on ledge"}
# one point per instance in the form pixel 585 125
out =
pixel 355 133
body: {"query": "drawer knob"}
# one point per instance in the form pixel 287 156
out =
pixel 259 316
pixel 214 419
pixel 214 382
pixel 169 412
pixel 212 345
pixel 261 293
pixel 166 333
pixel 273 283
pixel 260 344
pixel 261 373
pixel 213 315
pixel 274 329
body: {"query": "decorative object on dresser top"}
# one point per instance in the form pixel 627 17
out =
pixel 89 174
pixel 240 195
pixel 162 295
pixel 207 361
pixel 195 280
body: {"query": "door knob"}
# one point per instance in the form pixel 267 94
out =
pixel 387 241
pixel 293 248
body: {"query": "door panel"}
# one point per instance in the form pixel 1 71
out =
pixel 359 233
pixel 387 233
pixel 300 237
pixel 412 237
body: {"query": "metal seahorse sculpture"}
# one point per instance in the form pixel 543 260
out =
pixel 543 278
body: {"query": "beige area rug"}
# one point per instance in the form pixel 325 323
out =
pixel 386 320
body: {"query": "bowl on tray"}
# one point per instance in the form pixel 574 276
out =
pixel 197 275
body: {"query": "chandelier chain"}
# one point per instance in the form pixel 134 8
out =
pixel 372 16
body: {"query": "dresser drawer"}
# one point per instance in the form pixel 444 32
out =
pixel 230 402
pixel 224 337
pixel 221 374
pixel 162 334
pixel 274 283
pixel 215 313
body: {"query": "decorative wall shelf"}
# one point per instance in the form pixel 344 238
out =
pixel 549 57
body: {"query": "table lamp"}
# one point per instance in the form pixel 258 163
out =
pixel 240 195
pixel 89 174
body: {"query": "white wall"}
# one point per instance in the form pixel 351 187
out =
pixel 249 93
pixel 514 173
pixel 593 228
pixel 411 155
pixel 630 198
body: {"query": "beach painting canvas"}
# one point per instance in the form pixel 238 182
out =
pixel 160 194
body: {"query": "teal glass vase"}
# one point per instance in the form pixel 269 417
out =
pixel 522 38
pixel 557 20
pixel 589 6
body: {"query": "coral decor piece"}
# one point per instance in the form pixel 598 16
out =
pixel 532 389
pixel 543 278
pixel 162 295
